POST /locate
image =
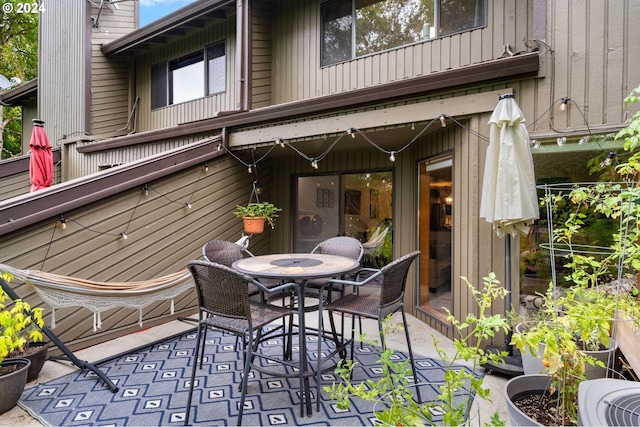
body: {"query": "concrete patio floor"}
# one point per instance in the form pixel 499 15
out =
pixel 421 337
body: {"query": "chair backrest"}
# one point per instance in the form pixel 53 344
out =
pixel 223 252
pixel 341 246
pixel 394 279
pixel 222 291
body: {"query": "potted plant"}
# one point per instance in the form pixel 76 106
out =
pixel 393 394
pixel 13 320
pixel 255 214
pixel 586 315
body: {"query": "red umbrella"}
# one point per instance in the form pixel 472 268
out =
pixel 41 162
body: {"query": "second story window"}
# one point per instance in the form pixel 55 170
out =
pixel 186 77
pixel 189 77
pixel 354 28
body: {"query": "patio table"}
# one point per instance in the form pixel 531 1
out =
pixel 299 268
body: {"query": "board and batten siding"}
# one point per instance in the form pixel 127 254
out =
pixel 261 52
pixel 62 97
pixel 109 82
pixel 163 235
pixel 197 109
pixel 297 73
pixel 597 59
pixel 79 165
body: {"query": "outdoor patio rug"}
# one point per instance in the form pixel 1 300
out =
pixel 154 382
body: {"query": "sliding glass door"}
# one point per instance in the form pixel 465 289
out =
pixel 357 205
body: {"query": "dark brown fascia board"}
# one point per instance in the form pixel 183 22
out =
pixel 512 67
pixel 31 208
pixel 20 93
pixel 180 17
pixel 20 164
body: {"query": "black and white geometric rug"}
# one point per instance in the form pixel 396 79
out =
pixel 153 386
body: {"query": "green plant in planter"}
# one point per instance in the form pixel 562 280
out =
pixel 393 392
pixel 264 210
pixel 16 323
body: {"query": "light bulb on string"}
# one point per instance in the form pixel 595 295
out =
pixel 563 105
pixel 607 160
pixel 63 222
pixel 392 157
pixel 123 235
pixel 219 147
pixel 187 205
pixel 352 132
pixel 413 126
pixel 145 188
pixel 314 164
pixel 443 121
pixel 206 167
pixel 250 169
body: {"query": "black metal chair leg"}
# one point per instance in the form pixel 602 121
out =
pixel 193 375
pixel 413 363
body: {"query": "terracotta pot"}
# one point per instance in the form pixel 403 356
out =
pixel 12 385
pixel 253 225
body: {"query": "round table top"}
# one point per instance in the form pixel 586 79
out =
pixel 296 266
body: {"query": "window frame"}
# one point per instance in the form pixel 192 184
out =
pixel 325 7
pixel 162 84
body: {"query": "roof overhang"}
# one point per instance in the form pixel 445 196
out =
pixel 20 94
pixel 176 24
pixel 514 67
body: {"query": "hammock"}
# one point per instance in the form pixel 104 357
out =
pixel 63 291
pixel 375 241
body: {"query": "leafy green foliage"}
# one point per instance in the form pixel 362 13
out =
pixel 18 58
pixel 17 323
pixel 264 210
pixel 393 391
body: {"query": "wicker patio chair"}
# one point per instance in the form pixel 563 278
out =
pixel 341 246
pixel 224 304
pixel 389 300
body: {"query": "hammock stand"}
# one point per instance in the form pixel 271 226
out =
pixel 63 291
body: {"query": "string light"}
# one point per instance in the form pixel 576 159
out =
pixel 607 160
pixel 146 189
pixel 219 147
pixel 63 222
pixel 561 141
pixel 206 167
pixel 563 105
pixel 443 120
pixel 250 169
pixel 352 132
pixel 314 164
pixel 392 157
pixel 123 235
pixel 413 126
pixel 187 205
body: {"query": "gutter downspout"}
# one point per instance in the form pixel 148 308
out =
pixel 243 57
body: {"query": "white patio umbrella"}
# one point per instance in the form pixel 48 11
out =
pixel 509 199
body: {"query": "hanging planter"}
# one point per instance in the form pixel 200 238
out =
pixel 253 225
pixel 254 215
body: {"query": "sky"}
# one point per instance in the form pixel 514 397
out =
pixel 150 10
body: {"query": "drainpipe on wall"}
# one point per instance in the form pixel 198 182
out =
pixel 243 50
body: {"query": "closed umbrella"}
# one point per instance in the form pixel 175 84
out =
pixel 509 199
pixel 41 161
